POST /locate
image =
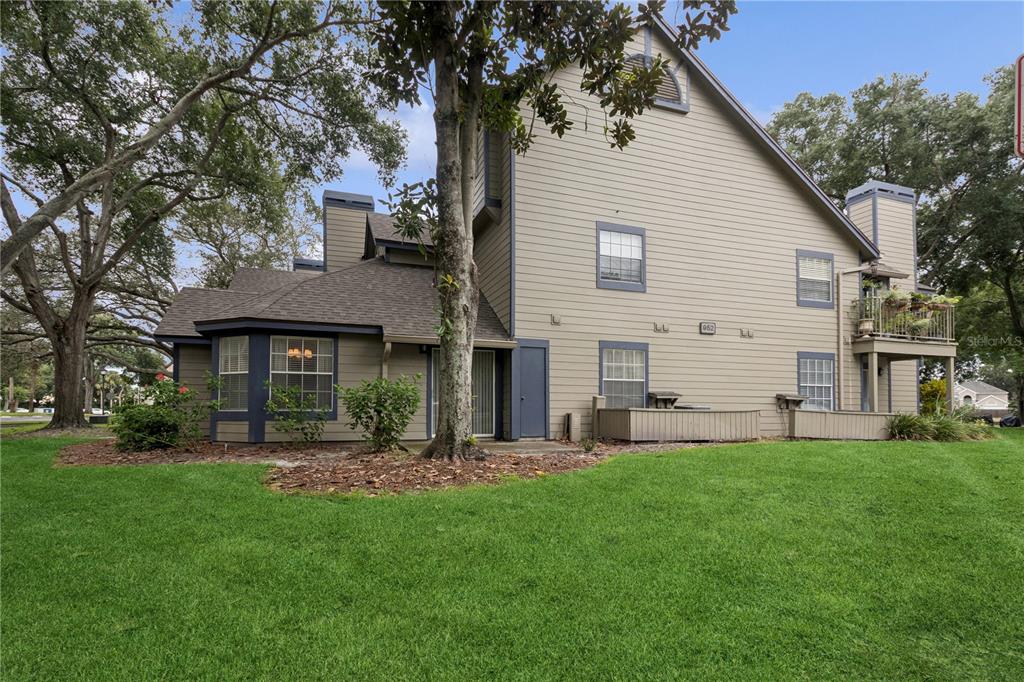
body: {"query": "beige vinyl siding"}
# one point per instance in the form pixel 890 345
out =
pixel 345 236
pixel 896 238
pixel 233 431
pixel 497 159
pixel 904 386
pixel 359 358
pixel 491 248
pixel 194 363
pixel 860 213
pixel 723 222
pixel 479 187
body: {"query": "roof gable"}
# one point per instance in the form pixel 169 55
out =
pixel 698 68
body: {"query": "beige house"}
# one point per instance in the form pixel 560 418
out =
pixel 696 286
pixel 981 396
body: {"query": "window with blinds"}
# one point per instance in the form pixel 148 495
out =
pixel 621 253
pixel 305 363
pixel 624 376
pixel 484 389
pixel 814 280
pixel 233 371
pixel 816 381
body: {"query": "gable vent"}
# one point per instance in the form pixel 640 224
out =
pixel 668 93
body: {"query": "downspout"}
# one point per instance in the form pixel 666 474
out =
pixel 839 334
pixel 384 360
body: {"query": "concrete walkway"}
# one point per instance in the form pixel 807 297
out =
pixel 519 447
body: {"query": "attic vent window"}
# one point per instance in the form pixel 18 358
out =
pixel 668 94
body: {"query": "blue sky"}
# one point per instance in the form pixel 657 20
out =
pixel 776 50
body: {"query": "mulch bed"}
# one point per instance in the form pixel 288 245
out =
pixel 347 467
pixel 387 473
pixel 103 453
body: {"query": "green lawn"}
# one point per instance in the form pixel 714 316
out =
pixel 762 561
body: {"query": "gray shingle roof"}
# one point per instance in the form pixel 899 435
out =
pixel 400 299
pixel 982 388
pixel 382 227
pixel 192 304
pixel 257 280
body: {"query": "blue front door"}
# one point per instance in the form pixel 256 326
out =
pixel 533 390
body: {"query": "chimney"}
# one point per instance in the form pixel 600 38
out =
pixel 344 227
pixel 887 215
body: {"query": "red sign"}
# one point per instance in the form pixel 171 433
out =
pixel 1018 128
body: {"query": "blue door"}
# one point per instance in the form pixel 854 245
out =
pixel 533 390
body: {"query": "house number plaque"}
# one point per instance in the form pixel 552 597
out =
pixel 707 328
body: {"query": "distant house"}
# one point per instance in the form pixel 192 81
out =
pixel 982 396
pixel 699 268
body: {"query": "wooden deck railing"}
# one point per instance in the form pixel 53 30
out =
pixel 876 316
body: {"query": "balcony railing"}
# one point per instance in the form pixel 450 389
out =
pixel 876 316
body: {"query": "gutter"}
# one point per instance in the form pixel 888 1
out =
pixel 433 341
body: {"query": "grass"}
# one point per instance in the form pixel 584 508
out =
pixel 761 561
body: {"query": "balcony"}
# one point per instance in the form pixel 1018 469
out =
pixel 903 326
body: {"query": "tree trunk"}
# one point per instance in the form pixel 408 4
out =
pixel 453 252
pixel 72 375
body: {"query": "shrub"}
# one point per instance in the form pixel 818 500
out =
pixel 940 427
pixel 296 415
pixel 588 444
pixel 933 396
pixel 169 416
pixel 382 408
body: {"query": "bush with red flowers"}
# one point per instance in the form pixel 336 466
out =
pixel 170 415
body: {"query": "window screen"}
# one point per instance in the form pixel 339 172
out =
pixel 815 382
pixel 233 371
pixel 814 279
pixel 306 363
pixel 622 257
pixel 624 377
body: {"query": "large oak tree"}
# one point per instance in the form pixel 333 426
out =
pixel 484 64
pixel 122 120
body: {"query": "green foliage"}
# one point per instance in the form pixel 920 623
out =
pixel 296 414
pixel 854 560
pixel 933 397
pixel 957 152
pixel 170 416
pixel 382 409
pixel 588 444
pixel 958 426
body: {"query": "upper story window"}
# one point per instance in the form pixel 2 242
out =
pixel 623 374
pixel 233 370
pixel 307 364
pixel 814 279
pixel 816 380
pixel 621 256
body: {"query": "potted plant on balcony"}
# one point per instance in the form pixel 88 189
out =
pixel 897 299
pixel 920 326
pixel 940 302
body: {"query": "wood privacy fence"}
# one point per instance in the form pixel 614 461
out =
pixel 645 424
pixel 839 425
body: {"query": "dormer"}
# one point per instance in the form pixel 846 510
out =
pixel 382 241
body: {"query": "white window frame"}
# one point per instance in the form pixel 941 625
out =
pixel 801 256
pixel 801 385
pixel 612 283
pixel 318 372
pixel 606 346
pixel 222 358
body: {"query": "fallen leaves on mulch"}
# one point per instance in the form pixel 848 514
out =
pixel 103 453
pixel 387 473
pixel 347 467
